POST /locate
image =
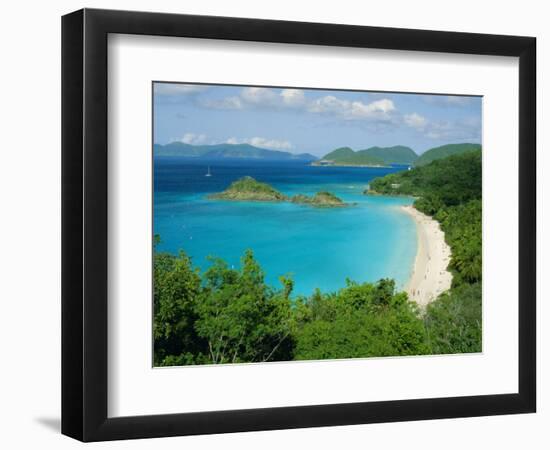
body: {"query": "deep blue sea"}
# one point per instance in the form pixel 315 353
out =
pixel 319 247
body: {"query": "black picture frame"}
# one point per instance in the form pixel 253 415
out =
pixel 84 224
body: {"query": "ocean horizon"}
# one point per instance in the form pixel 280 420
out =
pixel 317 247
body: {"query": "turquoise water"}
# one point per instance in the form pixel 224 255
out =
pixel 318 247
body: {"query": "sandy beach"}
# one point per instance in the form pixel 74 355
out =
pixel 430 276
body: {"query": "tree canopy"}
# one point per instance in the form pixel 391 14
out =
pixel 230 315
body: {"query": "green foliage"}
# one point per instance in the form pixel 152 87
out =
pixel 398 154
pixel 249 184
pixel 227 316
pixel 231 315
pixel 453 322
pixel 445 151
pixel 321 198
pixel 247 188
pixel 360 320
pixel 240 317
pixel 346 155
pixel 444 182
pixel 327 197
pixel 176 288
pixel 462 227
pixel 450 190
pixel 339 153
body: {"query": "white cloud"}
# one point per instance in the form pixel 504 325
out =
pixel 328 104
pixel 378 114
pixel 192 138
pixel 178 88
pixel 415 121
pixel 293 97
pixel 382 109
pixel 256 97
pixel 261 142
pixel 259 96
pixel 378 109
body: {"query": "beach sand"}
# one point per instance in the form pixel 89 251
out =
pixel 430 276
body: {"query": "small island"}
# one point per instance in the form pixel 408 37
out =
pixel 320 199
pixel 249 189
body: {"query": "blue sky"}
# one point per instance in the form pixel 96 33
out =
pixel 311 120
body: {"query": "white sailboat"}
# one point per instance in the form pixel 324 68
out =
pixel 208 174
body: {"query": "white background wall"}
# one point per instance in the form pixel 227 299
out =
pixel 30 222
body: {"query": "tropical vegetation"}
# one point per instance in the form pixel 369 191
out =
pixel 247 188
pixel 449 189
pixel 443 151
pixel 230 315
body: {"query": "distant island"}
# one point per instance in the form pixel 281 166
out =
pixel 387 156
pixel 370 157
pixel 249 189
pixel 342 157
pixel 345 156
pixel 227 151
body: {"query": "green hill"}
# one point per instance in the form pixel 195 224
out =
pixel 346 156
pixel 373 156
pixel 398 154
pixel 247 188
pixel 339 153
pixel 444 151
pixel 449 190
pixel 444 182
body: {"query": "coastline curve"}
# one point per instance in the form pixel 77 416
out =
pixel 430 276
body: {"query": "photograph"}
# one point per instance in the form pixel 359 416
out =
pixel 305 224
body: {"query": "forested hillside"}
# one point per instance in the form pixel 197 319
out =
pixel 444 151
pixel 449 189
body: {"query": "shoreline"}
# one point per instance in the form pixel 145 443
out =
pixel 430 276
pixel 350 165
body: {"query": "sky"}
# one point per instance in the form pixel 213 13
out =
pixel 311 120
